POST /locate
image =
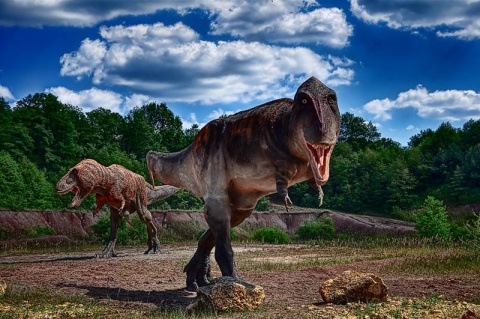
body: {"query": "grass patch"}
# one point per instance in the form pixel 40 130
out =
pixel 449 262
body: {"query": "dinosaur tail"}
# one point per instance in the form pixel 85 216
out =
pixel 150 168
pixel 160 192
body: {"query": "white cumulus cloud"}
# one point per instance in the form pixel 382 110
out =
pixel 6 94
pixel 282 21
pixel 90 99
pixel 193 70
pixel 285 21
pixel 459 18
pixel 451 105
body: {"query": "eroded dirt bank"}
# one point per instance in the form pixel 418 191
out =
pixel 74 224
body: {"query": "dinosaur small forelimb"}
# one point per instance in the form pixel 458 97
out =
pixel 282 183
pixel 320 196
pixel 288 202
pixel 318 188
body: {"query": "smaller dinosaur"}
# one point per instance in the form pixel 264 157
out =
pixel 124 191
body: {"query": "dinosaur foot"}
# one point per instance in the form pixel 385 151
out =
pixel 198 269
pixel 153 246
pixel 106 254
pixel 108 251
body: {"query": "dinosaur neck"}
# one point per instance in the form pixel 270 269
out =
pixel 175 169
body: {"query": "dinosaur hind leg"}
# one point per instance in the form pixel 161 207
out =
pixel 109 250
pixel 198 268
pixel 217 214
pixel 152 242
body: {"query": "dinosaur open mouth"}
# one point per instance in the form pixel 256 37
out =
pixel 76 201
pixel 319 159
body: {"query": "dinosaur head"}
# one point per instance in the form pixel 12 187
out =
pixel 73 182
pixel 320 117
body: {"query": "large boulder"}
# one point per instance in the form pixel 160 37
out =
pixel 228 294
pixel 352 286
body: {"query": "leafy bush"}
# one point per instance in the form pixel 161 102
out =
pixel 472 235
pixel 5 233
pixel 262 204
pixel 272 236
pixel 182 200
pixel 132 233
pixel 40 231
pixel 432 219
pixel 317 229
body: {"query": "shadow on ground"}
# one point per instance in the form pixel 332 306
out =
pixel 164 300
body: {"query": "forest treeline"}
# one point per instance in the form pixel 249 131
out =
pixel 41 138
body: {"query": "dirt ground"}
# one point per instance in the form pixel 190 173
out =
pixel 157 281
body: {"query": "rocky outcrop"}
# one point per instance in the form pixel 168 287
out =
pixel 228 294
pixel 352 286
pixel 74 224
pixel 68 223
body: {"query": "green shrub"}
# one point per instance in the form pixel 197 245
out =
pixel 262 205
pixel 317 229
pixel 5 233
pixel 135 231
pixel 271 235
pixel 472 234
pixel 132 233
pixel 432 219
pixel 40 231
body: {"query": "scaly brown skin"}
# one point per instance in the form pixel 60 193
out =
pixel 235 161
pixel 124 191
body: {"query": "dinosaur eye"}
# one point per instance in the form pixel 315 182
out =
pixel 304 101
pixel 331 100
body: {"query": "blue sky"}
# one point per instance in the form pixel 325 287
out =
pixel 404 65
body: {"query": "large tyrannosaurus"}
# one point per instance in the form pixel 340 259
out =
pixel 235 161
pixel 123 190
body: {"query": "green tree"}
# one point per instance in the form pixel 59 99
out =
pixel 191 133
pixel 357 132
pixel 12 186
pixel 432 219
pixel 52 126
pixel 38 193
pixel 14 136
pixel 104 128
pixel 400 190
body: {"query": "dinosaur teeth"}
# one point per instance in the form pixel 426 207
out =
pixel 319 158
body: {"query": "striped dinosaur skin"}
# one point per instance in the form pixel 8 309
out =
pixel 123 190
pixel 235 161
